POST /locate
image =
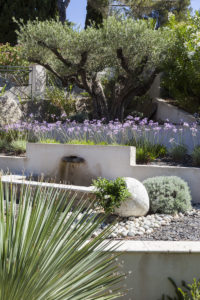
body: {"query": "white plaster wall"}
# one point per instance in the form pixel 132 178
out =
pixel 100 161
pixel 151 263
pixel 172 113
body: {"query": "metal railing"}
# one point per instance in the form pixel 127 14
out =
pixel 17 80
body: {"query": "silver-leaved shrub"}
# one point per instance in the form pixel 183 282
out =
pixel 168 194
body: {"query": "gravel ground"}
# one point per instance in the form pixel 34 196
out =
pixel 157 227
pixel 186 228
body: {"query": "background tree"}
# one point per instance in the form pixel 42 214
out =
pixel 62 6
pixel 181 80
pixel 157 9
pixel 113 64
pixel 26 10
pixel 96 11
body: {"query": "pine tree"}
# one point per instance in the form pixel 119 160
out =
pixel 97 10
pixel 23 9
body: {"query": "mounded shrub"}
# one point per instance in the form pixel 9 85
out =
pixel 168 194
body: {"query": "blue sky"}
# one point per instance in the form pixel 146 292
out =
pixel 77 10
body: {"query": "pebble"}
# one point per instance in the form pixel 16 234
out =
pixel 135 227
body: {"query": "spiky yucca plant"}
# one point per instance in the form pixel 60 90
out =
pixel 46 250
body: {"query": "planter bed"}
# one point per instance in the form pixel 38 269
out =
pixel 99 161
pixel 149 263
pixel 151 227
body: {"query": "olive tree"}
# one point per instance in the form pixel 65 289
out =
pixel 113 64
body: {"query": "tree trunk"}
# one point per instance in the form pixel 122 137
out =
pixel 62 6
pixel 99 99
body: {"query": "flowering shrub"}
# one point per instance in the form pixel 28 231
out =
pixel 11 56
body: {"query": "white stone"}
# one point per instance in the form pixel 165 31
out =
pixel 131 233
pixel 9 111
pixel 138 203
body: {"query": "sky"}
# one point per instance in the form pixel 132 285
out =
pixel 77 10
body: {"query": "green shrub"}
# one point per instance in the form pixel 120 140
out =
pixel 111 193
pixel 18 146
pixel 57 96
pixel 196 156
pixel 143 156
pixel 168 194
pixel 178 153
pixel 4 145
pixel 11 56
pixel 149 152
pixel 47 251
pixel 187 292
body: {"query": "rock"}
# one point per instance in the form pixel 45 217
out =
pixel 9 111
pixel 138 203
pixel 131 233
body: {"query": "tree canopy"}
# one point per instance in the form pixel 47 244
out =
pixel 96 12
pixel 181 79
pixel 26 10
pixel 113 64
pixel 158 9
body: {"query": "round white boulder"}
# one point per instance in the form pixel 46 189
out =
pixel 138 203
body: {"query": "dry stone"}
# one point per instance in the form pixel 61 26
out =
pixel 9 111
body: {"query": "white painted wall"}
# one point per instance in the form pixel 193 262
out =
pixel 152 262
pixel 100 161
pixel 174 114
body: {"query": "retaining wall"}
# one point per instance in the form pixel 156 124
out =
pixel 99 161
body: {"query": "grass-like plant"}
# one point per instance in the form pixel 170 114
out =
pixel 196 156
pixel 186 292
pixel 178 152
pixel 46 250
pixel 18 146
pixel 148 152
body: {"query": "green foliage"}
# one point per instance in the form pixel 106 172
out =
pixel 157 9
pixel 181 79
pixel 96 12
pixel 47 252
pixel 4 145
pixel 81 56
pixel 111 193
pixel 143 156
pixel 178 152
pixel 3 90
pixel 18 146
pixel 11 56
pixel 168 194
pixel 49 141
pixel 13 146
pixel 26 10
pixel 147 152
pixel 196 156
pixel 188 292
pixel 58 97
pixel 85 142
